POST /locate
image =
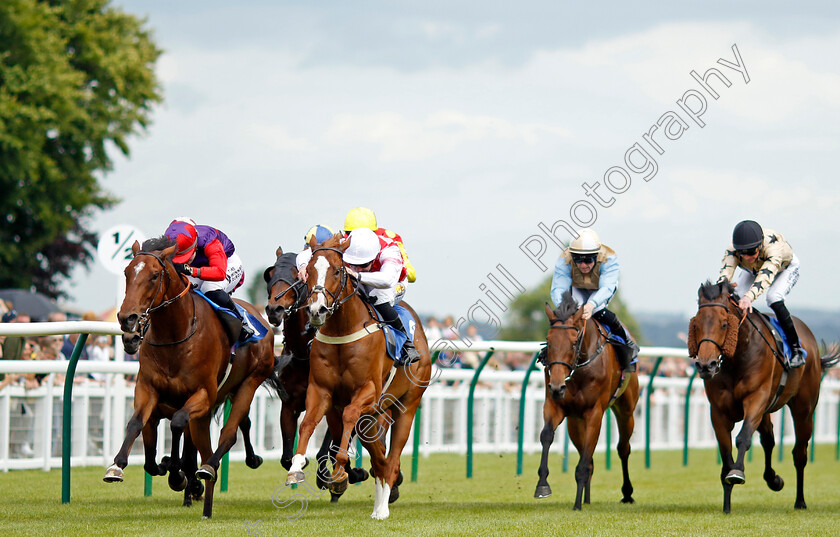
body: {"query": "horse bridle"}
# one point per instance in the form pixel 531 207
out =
pixel 300 294
pixel 145 321
pixel 710 340
pixel 578 344
pixel 337 301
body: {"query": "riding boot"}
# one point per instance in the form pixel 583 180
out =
pixel 239 333
pixel 797 358
pixel 610 320
pixel 390 316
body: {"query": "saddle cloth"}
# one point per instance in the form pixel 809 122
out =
pixel 778 335
pixel 396 339
pixel 617 342
pixel 259 329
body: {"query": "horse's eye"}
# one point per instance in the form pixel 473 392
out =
pixel 726 324
pixel 155 276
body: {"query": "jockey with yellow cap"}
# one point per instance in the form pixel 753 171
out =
pixel 209 260
pixel 590 269
pixel 363 217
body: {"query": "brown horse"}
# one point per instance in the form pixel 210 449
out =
pixel 582 380
pixel 350 369
pixel 746 381
pixel 186 369
pixel 286 295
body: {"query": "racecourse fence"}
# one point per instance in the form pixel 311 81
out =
pixel 673 412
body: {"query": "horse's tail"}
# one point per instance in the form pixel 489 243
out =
pixel 831 356
pixel 273 381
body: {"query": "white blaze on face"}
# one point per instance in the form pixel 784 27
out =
pixel 321 268
pixel 138 267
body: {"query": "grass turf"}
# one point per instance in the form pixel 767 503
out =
pixel 671 500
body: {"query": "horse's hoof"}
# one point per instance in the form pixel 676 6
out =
pixel 114 474
pixel 334 497
pixel 286 464
pixel 339 487
pixel 800 505
pixel 255 462
pixel 176 485
pixel 399 480
pixel 543 491
pixel 206 472
pixel 320 483
pixel 295 477
pixel 776 483
pixel 395 494
pixel 196 490
pixel 357 475
pixel 735 477
pixel 628 500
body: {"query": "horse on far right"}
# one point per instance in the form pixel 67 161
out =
pixel 747 378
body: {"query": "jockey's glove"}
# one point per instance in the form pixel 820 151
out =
pixel 183 268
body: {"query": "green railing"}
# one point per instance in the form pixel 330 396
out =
pixel 470 404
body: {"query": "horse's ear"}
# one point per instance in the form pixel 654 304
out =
pixel 313 242
pixel 279 251
pixel 550 312
pixel 267 274
pixel 135 248
pixel 168 251
pixel 692 338
pixel 342 245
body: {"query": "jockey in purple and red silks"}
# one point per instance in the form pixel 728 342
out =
pixel 209 260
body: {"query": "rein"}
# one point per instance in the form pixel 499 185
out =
pixel 300 297
pixel 146 322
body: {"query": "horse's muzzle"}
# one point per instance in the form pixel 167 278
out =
pixel 557 392
pixel 131 342
pixel 129 323
pixel 275 314
pixel 707 370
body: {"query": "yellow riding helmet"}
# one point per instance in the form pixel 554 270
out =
pixel 360 217
pixel 587 242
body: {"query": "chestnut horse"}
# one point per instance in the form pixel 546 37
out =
pixel 745 381
pixel 582 380
pixel 286 295
pixel 186 370
pixel 350 370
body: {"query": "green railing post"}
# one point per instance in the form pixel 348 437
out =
pixel 520 439
pixel 147 485
pixel 470 403
pixel 608 454
pixel 415 453
pixel 782 435
pixel 566 447
pixel 66 418
pixel 686 414
pixel 647 410
pixel 225 459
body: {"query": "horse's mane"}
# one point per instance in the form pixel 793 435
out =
pixel 567 307
pixel 157 243
pixel 711 291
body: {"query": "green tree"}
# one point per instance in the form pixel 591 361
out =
pixel 76 77
pixel 526 320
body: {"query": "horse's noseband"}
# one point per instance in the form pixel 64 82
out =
pixel 337 301
pixel 575 347
pixel 145 321
pixel 710 340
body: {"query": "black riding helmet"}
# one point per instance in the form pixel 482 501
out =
pixel 747 235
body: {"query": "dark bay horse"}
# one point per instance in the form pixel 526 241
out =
pixel 286 295
pixel 582 380
pixel 351 371
pixel 186 369
pixel 745 381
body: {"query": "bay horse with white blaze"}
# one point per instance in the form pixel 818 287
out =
pixel 186 370
pixel 747 379
pixel 286 295
pixel 583 379
pixel 350 370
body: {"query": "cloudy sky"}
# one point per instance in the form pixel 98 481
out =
pixel 466 125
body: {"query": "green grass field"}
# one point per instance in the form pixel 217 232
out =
pixel 670 500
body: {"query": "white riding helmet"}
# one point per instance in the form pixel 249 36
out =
pixel 364 247
pixel 587 242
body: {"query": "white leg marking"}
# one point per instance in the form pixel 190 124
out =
pixel 297 463
pixel 380 500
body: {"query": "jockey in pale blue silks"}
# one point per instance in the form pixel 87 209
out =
pixel 590 270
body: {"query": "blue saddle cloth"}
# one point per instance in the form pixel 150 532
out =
pixel 781 333
pixel 396 339
pixel 612 338
pixel 259 329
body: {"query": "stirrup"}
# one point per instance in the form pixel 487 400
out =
pixel 797 359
